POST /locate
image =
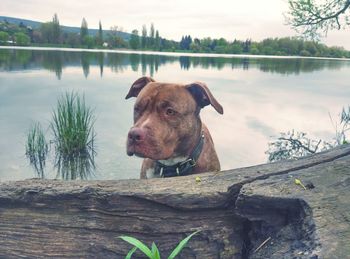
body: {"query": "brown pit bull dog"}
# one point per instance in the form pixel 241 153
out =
pixel 168 131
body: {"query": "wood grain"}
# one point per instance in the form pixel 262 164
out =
pixel 236 210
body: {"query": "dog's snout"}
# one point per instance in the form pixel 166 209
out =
pixel 136 135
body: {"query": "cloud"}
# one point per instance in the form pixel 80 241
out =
pixel 259 126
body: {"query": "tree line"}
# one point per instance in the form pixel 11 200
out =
pixel 11 60
pixel 287 46
pixel 52 34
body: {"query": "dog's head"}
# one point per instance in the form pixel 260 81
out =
pixel 166 117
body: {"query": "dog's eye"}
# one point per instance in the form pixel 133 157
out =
pixel 170 112
pixel 137 112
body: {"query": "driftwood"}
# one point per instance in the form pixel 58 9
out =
pixel 254 212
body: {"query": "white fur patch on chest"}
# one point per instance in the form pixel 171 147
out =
pixel 150 173
pixel 173 161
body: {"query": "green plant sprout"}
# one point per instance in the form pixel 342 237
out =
pixel 154 253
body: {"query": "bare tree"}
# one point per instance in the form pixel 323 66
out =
pixel 292 144
pixel 315 18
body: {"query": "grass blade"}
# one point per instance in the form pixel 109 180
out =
pixel 128 256
pixel 137 243
pixel 155 251
pixel 181 245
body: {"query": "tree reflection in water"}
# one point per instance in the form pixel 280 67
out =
pixel 56 61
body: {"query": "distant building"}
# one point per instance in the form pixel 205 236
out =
pixel 105 44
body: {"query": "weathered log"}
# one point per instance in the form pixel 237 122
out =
pixel 254 212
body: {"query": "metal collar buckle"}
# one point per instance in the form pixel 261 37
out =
pixel 176 168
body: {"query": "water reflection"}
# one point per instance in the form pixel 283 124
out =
pixel 37 149
pixel 100 59
pixel 56 61
pixel 85 63
pixel 78 166
pixel 259 102
pixel 52 62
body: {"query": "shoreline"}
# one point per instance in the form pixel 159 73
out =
pixel 174 54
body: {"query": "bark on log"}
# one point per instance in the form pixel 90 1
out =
pixel 254 212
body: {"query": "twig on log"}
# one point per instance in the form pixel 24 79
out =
pixel 262 244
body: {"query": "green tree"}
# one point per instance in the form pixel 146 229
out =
pixel 114 31
pixel 89 41
pixel 151 36
pixel 206 44
pixel 290 46
pixel 4 37
pixel 56 29
pixel 134 40
pixel 236 47
pixel 46 30
pixel 120 42
pixel 305 53
pixel 185 42
pixel 21 39
pixel 315 19
pixel 254 48
pixel 144 37
pixel 157 41
pixel 99 38
pixel 337 52
pixel 37 36
pixel 221 46
pixel 195 46
pixel 114 38
pixel 310 47
pixel 84 31
pixel 72 39
pixel 49 32
pixel 268 46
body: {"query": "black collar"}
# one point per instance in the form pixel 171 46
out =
pixel 181 168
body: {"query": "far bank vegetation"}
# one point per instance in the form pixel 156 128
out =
pixel 149 38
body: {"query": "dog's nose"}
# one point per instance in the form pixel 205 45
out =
pixel 136 135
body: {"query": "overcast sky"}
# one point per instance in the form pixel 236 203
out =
pixel 240 19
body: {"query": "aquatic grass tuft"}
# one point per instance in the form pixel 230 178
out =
pixel 73 133
pixel 37 148
pixel 72 125
pixel 73 139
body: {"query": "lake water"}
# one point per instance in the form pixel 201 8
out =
pixel 261 97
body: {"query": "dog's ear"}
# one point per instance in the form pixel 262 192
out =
pixel 137 86
pixel 203 96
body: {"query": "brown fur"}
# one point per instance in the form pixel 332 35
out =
pixel 167 124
